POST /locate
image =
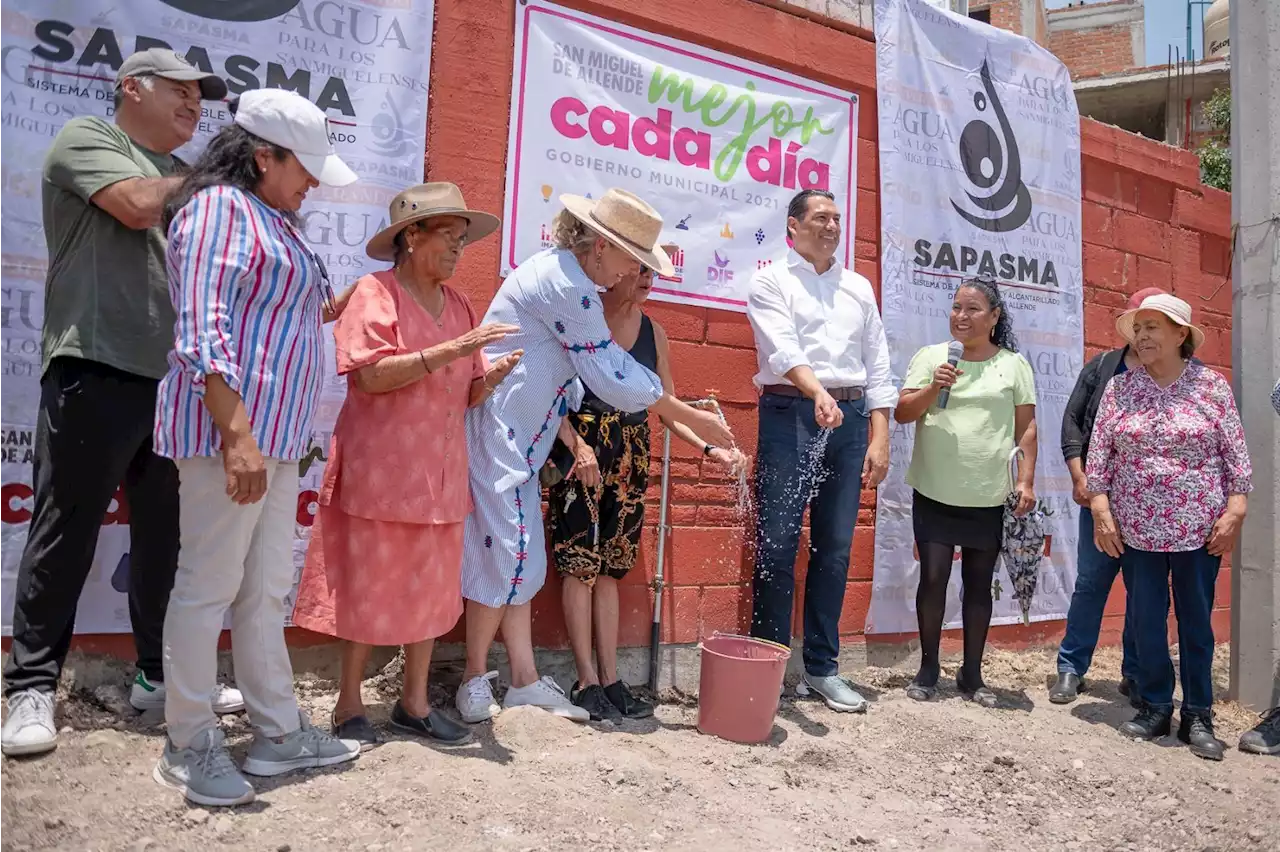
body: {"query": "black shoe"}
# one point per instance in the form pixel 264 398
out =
pixel 1149 724
pixel 619 694
pixel 594 700
pixel 356 728
pixel 1067 689
pixel 1265 737
pixel 1196 730
pixel 436 727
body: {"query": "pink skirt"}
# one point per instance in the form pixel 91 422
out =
pixel 380 582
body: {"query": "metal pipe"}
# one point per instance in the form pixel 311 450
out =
pixel 655 629
pixel 664 530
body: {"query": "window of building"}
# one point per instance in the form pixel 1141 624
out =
pixel 983 15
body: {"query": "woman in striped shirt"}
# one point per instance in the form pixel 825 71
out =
pixel 235 413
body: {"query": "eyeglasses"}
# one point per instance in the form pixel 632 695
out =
pixel 450 240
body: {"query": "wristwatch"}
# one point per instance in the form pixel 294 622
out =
pixel 708 449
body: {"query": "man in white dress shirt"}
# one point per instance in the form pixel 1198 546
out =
pixel 825 395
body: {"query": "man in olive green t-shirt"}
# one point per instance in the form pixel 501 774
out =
pixel 108 328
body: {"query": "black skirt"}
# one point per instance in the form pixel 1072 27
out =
pixel 979 527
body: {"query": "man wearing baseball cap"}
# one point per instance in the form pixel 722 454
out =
pixel 1095 570
pixel 108 329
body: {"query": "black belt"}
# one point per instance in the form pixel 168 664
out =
pixel 838 394
pixel 604 413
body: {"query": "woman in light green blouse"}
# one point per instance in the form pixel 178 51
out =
pixel 959 472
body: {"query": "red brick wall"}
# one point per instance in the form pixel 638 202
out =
pixel 1005 14
pixel 1104 50
pixel 1147 221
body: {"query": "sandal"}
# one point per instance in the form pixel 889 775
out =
pixel 982 696
pixel 920 692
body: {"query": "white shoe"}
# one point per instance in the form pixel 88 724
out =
pixel 146 695
pixel 29 728
pixel 475 699
pixel 546 694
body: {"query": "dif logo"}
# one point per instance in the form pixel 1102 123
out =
pixel 677 260
pixel 720 273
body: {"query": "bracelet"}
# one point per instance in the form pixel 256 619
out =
pixel 709 449
pixel 422 356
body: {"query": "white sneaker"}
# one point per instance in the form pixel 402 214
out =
pixel 475 699
pixel 546 694
pixel 146 695
pixel 29 728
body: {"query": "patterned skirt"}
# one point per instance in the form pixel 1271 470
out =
pixel 596 530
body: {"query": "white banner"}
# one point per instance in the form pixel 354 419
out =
pixel 718 144
pixel 979 172
pixel 365 62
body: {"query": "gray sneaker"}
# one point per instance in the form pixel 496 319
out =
pixel 203 772
pixel 835 691
pixel 29 728
pixel 306 748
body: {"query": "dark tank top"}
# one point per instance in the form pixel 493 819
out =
pixel 645 351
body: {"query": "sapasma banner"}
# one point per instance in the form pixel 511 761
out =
pixel 364 62
pixel 979 173
pixel 717 144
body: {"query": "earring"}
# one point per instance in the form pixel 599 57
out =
pixel 409 249
pixel 598 260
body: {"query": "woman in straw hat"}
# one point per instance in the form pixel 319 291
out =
pixel 597 511
pixel 385 560
pixel 1169 472
pixel 553 297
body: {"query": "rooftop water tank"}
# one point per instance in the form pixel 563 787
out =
pixel 1217 30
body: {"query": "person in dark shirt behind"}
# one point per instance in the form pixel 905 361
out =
pixel 1095 570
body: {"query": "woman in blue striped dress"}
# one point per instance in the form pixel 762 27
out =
pixel 553 298
pixel 235 413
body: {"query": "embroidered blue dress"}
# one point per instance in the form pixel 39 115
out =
pixel 564 335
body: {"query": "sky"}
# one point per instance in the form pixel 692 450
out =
pixel 1166 22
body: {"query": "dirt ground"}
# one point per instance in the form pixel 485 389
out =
pixel 906 776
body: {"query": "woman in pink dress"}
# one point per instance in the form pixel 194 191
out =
pixel 385 560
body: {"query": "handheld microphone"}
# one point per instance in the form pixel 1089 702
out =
pixel 954 350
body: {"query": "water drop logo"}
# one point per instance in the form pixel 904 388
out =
pixel 239 11
pixel 993 166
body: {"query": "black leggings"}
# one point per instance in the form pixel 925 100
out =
pixel 977 567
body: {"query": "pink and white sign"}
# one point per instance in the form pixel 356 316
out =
pixel 717 144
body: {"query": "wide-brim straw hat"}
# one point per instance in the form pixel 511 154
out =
pixel 1171 306
pixel 627 221
pixel 422 202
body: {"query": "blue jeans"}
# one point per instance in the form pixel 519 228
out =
pixel 1095 575
pixel 783 483
pixel 1194 574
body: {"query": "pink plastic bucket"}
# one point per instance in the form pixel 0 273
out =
pixel 739 685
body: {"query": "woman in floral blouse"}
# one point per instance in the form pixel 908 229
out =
pixel 1169 472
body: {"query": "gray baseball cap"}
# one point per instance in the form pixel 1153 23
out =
pixel 162 62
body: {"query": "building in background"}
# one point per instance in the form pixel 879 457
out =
pixel 1103 44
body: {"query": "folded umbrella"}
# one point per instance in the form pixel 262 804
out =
pixel 1023 545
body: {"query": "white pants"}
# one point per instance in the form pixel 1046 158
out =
pixel 237 557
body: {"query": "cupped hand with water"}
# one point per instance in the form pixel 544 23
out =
pixel 827 411
pixel 732 461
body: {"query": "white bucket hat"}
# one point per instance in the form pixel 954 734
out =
pixel 291 121
pixel 627 221
pixel 1171 306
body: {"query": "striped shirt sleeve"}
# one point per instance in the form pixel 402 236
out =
pixel 211 248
